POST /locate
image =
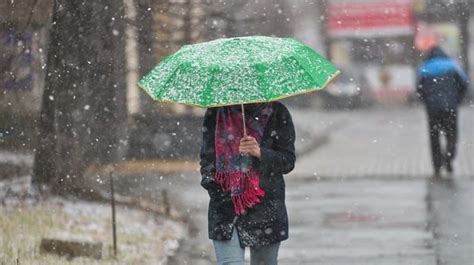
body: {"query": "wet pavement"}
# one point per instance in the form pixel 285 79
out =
pixel 346 221
pixel 383 211
pixel 382 142
pixel 363 221
pixel 452 217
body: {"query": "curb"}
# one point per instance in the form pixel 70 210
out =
pixel 150 165
pixel 185 166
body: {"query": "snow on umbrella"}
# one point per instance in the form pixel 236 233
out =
pixel 243 70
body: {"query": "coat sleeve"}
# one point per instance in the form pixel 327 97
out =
pixel 462 83
pixel 280 159
pixel 207 153
pixel 420 89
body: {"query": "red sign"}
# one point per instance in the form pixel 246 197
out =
pixel 368 18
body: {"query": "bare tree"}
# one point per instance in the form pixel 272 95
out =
pixel 83 109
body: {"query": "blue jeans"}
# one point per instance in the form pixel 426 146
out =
pixel 230 253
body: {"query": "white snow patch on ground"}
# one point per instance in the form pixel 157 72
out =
pixel 16 158
pixel 143 237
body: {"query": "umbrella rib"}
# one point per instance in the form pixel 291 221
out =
pixel 305 70
pixel 255 66
pixel 173 73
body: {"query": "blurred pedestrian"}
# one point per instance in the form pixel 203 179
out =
pixel 441 86
pixel 244 178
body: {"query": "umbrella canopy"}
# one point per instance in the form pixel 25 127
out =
pixel 234 71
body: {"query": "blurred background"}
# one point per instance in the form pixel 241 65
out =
pixel 70 106
pixel 370 41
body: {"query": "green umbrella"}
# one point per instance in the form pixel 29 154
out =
pixel 241 70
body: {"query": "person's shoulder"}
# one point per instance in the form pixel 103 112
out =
pixel 281 109
pixel 210 112
pixel 214 109
pixel 280 106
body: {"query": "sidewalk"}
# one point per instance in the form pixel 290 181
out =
pixel 358 222
pixel 360 197
pixel 451 216
pixel 375 166
pixel 367 203
pixel 381 142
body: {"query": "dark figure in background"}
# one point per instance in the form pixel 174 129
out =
pixel 441 86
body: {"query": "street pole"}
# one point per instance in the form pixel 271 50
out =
pixel 464 14
pixel 112 202
pixel 323 11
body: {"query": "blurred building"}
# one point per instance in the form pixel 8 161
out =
pixel 453 23
pixel 171 130
pixel 22 52
pixel 179 22
pixel 372 41
pixel 23 47
pixel 471 46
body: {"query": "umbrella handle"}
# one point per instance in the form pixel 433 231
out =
pixel 243 120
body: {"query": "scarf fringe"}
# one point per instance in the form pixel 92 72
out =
pixel 249 185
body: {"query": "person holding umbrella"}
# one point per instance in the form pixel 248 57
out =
pixel 243 173
pixel 248 135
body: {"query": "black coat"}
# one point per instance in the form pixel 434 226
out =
pixel 441 82
pixel 267 221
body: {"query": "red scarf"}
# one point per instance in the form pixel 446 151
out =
pixel 236 172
